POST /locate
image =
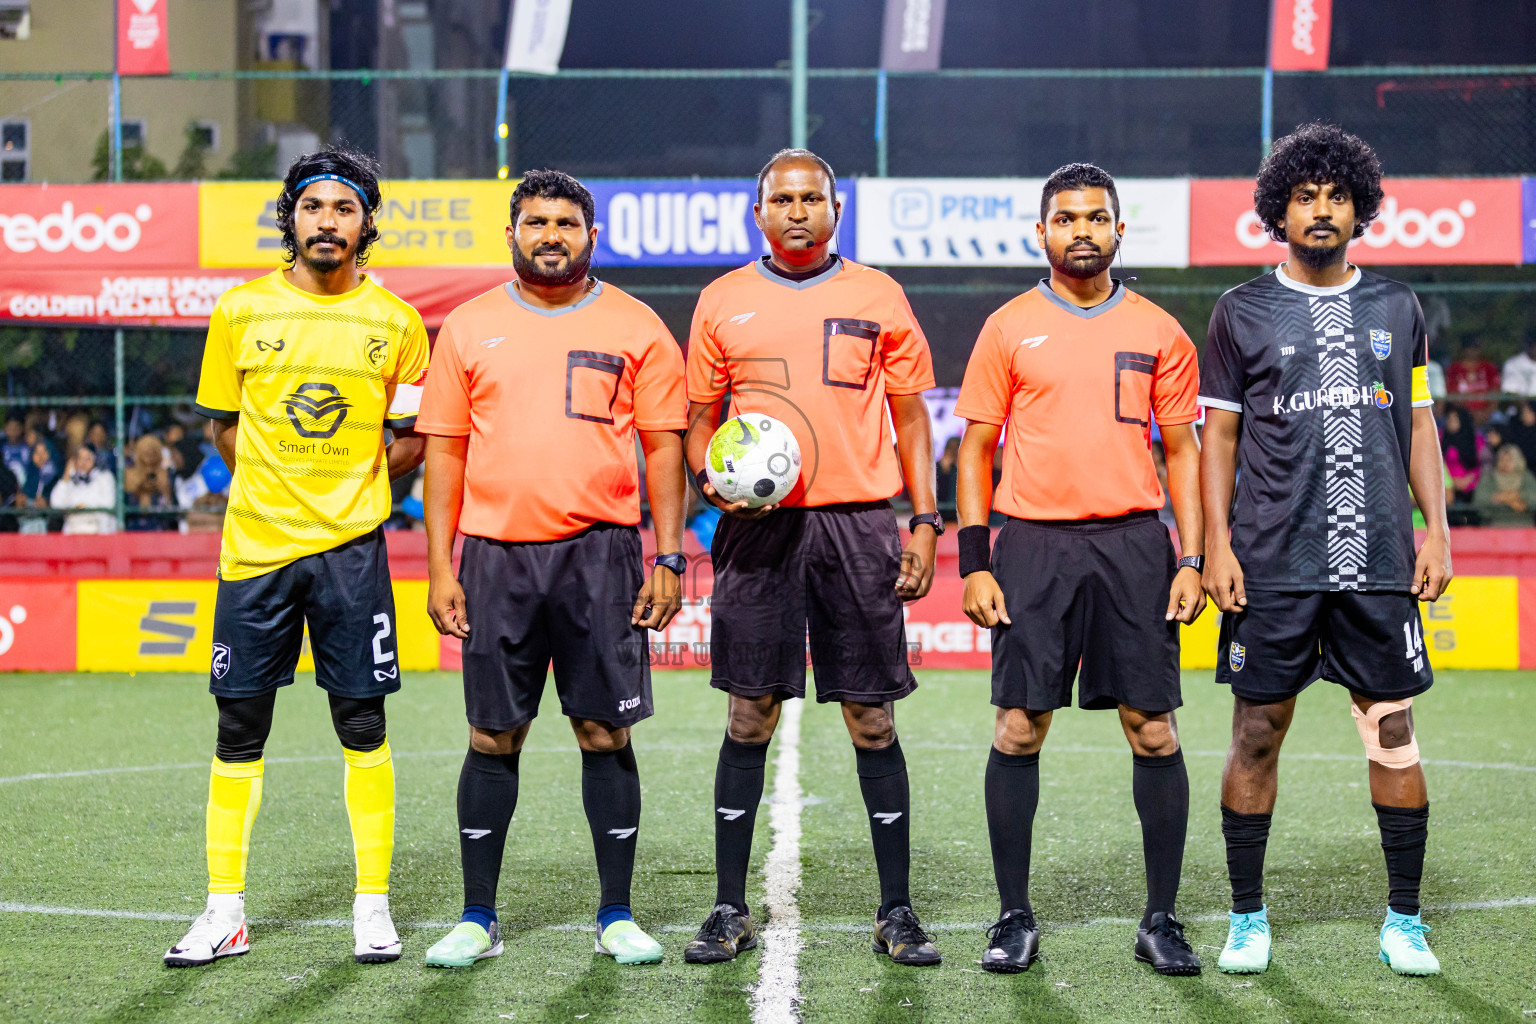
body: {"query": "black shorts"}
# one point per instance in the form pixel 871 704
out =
pixel 563 601
pixel 1371 642
pixel 1092 592
pixel 829 571
pixel 344 594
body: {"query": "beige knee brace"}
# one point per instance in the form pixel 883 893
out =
pixel 1369 724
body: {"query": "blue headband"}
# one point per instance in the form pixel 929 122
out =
pixel 298 189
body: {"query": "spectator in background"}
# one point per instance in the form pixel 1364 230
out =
pixel 944 478
pixel 86 486
pixel 1507 494
pixel 1519 374
pixel 1472 374
pixel 42 471
pixel 147 485
pixel 106 458
pixel 13 450
pixel 10 491
pixel 1459 441
pixel 1521 430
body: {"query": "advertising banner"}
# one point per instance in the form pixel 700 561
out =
pixel 64 227
pixel 142 48
pixel 184 297
pixel 1528 219
pixel 1298 35
pixel 421 223
pixel 37 625
pixel 1422 221
pixel 990 222
pixel 687 222
pixel 912 36
pixel 536 35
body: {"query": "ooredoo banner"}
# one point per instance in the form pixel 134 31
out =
pixel 990 222
pixel 1422 221
pixel 1299 35
pixel 37 625
pixel 86 227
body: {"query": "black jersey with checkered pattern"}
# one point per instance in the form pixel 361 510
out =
pixel 1324 379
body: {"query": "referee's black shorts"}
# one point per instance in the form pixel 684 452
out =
pixel 563 601
pixel 827 572
pixel 344 594
pixel 1091 592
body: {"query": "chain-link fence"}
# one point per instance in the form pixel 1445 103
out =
pixel 664 123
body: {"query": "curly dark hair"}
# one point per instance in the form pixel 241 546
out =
pixel 1322 154
pixel 547 184
pixel 356 167
pixel 1074 178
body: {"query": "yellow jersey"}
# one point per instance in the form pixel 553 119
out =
pixel 313 381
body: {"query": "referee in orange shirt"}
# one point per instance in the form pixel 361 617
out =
pixel 1082 582
pixel 535 394
pixel 832 349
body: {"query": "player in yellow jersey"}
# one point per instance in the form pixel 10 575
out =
pixel 305 374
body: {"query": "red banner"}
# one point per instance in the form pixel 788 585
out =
pixel 1422 221
pixel 184 296
pixel 37 626
pixel 141 42
pixel 1298 35
pixel 97 227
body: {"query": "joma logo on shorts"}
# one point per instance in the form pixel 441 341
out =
pixel 630 704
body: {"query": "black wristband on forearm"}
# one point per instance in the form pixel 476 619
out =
pixel 975 549
pixel 701 478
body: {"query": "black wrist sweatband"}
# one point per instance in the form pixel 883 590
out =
pixel 700 479
pixel 975 549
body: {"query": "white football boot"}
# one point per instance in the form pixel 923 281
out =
pixel 373 932
pixel 219 931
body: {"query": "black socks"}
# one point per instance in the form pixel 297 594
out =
pixel 1247 837
pixel 610 792
pixel 738 791
pixel 1404 834
pixel 1013 794
pixel 1160 786
pixel 883 781
pixel 487 798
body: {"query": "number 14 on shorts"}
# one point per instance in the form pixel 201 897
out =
pixel 1413 643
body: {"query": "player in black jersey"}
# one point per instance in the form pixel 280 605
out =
pixel 1315 383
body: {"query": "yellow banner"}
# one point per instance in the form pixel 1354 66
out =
pixel 1475 624
pixel 421 223
pixel 1197 641
pixel 167 626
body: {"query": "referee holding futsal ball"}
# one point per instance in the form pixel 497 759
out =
pixel 535 394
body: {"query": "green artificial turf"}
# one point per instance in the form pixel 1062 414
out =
pixel 129 840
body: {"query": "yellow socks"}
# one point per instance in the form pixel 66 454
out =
pixel 234 797
pixel 370 789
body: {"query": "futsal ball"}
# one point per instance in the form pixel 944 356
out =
pixel 753 458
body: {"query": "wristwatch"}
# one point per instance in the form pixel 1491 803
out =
pixel 1195 562
pixel 933 519
pixel 677 562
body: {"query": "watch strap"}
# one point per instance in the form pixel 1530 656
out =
pixel 1195 562
pixel 677 562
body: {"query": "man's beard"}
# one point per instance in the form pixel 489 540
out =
pixel 1084 268
pixel 324 264
pixel 1319 256
pixel 528 268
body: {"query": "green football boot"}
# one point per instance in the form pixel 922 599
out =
pixel 464 945
pixel 1247 948
pixel 628 944
pixel 1403 947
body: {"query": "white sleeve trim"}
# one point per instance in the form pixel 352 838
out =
pixel 406 403
pixel 1219 403
pixel 1424 403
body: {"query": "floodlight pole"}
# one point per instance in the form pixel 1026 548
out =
pixel 798 29
pixel 115 131
pixel 882 147
pixel 1267 103
pixel 502 129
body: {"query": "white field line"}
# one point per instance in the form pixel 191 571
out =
pixel 1501 766
pixel 777 993
pixel 8 907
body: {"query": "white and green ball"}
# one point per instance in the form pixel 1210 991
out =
pixel 753 458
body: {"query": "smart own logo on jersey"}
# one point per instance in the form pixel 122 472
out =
pixel 316 410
